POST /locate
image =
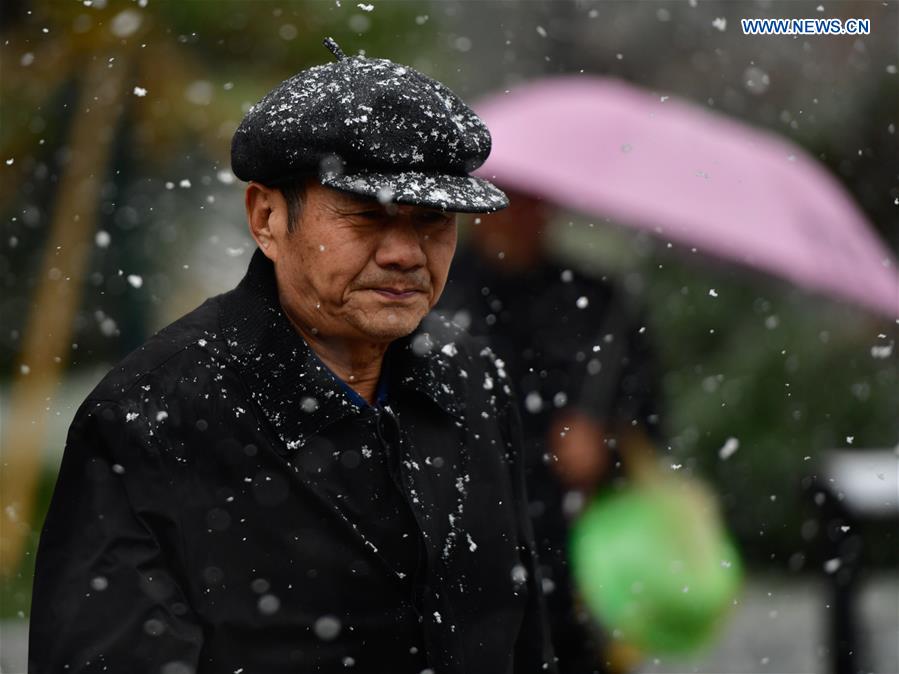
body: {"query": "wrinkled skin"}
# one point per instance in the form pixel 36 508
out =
pixel 354 274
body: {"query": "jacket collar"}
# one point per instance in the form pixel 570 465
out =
pixel 298 393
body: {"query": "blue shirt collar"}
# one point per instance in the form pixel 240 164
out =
pixel 380 394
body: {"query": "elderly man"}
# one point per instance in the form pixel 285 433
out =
pixel 300 475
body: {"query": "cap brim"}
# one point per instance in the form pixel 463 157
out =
pixel 462 194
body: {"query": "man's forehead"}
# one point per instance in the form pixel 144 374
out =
pixel 351 199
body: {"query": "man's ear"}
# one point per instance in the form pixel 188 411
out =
pixel 261 204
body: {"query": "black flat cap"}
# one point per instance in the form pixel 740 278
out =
pixel 370 127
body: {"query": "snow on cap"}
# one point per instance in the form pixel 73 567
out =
pixel 372 127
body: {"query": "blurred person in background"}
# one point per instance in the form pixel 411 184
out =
pixel 576 349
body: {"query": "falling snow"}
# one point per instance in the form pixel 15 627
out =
pixel 730 447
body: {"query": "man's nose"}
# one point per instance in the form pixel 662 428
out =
pixel 400 245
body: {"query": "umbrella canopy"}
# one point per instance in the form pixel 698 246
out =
pixel 605 147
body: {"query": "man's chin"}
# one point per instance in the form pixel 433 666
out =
pixel 387 329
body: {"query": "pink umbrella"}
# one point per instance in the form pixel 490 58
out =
pixel 690 175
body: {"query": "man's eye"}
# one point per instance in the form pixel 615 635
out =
pixel 435 218
pixel 368 215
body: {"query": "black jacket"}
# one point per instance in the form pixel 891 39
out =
pixel 226 505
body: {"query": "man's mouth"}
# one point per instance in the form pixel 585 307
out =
pixel 397 293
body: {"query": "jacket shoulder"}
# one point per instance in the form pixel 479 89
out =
pixel 194 336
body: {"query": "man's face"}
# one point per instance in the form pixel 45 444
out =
pixel 356 269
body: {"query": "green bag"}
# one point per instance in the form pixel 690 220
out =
pixel 654 563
